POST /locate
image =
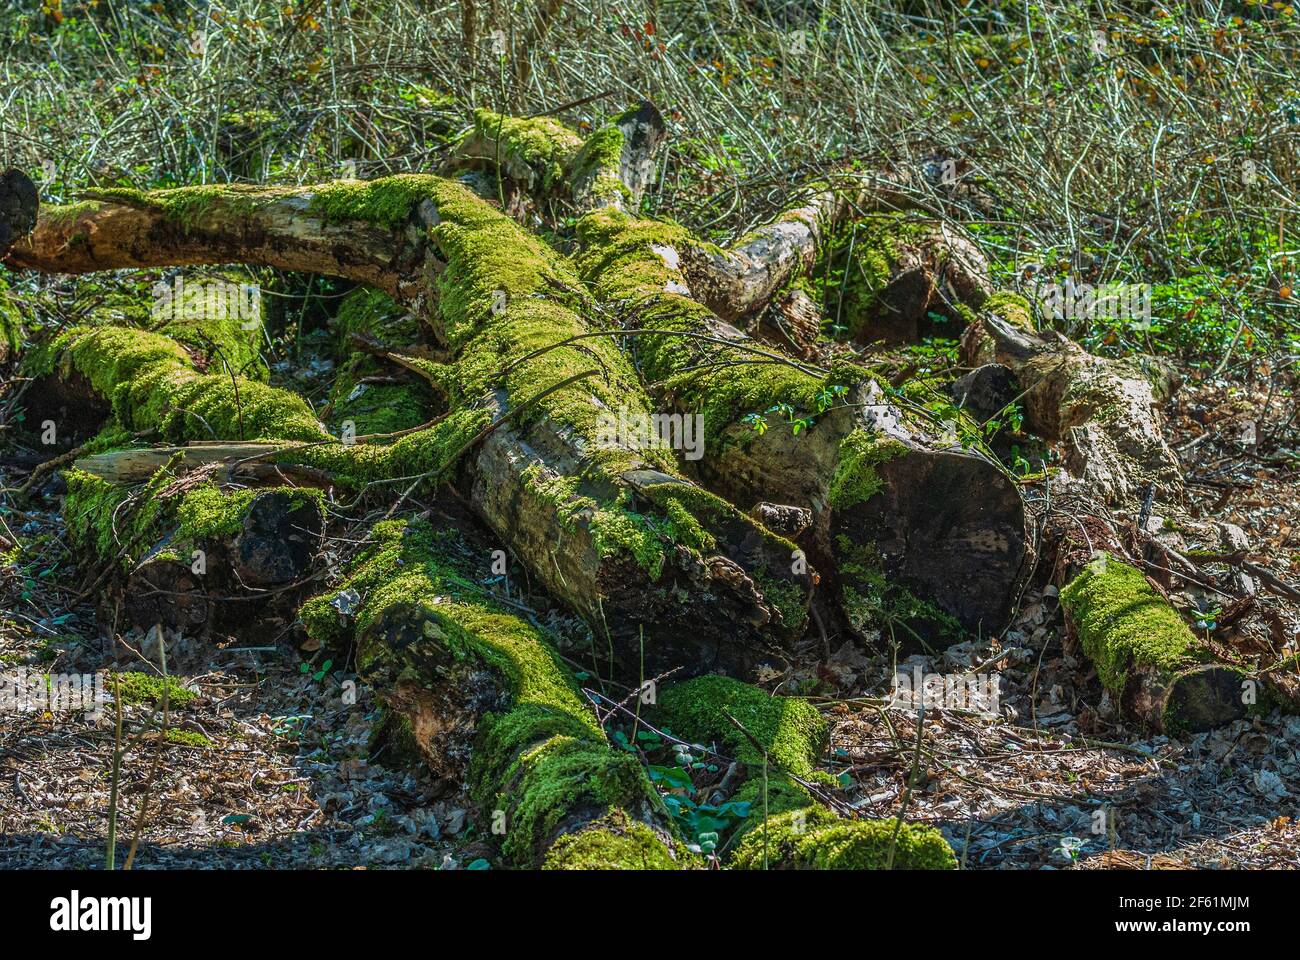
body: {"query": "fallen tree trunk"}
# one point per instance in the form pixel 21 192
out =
pixel 227 223
pixel 487 702
pixel 1106 416
pixel 665 572
pixel 193 556
pixel 888 502
pixel 1104 413
pixel 1152 664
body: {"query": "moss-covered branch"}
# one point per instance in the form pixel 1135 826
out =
pixel 487 701
pixel 1145 654
pixel 220 223
pixel 665 572
pixel 548 161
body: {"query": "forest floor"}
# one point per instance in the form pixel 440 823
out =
pixel 272 765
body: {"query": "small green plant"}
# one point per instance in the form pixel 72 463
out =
pixel 317 675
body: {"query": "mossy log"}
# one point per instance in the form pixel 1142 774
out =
pixel 487 702
pixel 666 573
pixel 1104 413
pixel 196 556
pixel 888 500
pixel 930 265
pixel 779 740
pixel 737 282
pixel 548 161
pixel 904 278
pixel 1157 670
pixel 172 326
pixel 815 839
pixel 266 226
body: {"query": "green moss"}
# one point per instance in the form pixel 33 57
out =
pixel 188 207
pixel 856 479
pixel 188 738
pixel 871 600
pixel 630 262
pixel 386 202
pixel 113 522
pixel 543 145
pixel 1011 307
pixel 802 840
pixel 539 757
pixel 857 263
pixel 151 383
pixel 11 324
pixel 135 687
pixel 1122 622
pixel 559 775
pixel 790 729
pixel 65 213
pixel 615 842
pixel 98 520
pixel 373 313
pixel 375 408
pixel 599 160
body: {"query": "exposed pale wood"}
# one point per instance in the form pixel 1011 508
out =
pixel 138 464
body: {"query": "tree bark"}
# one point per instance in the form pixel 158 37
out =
pixel 1104 413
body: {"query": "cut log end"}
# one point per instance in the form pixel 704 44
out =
pixel 1202 698
pixel 949 527
pixel 19 202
